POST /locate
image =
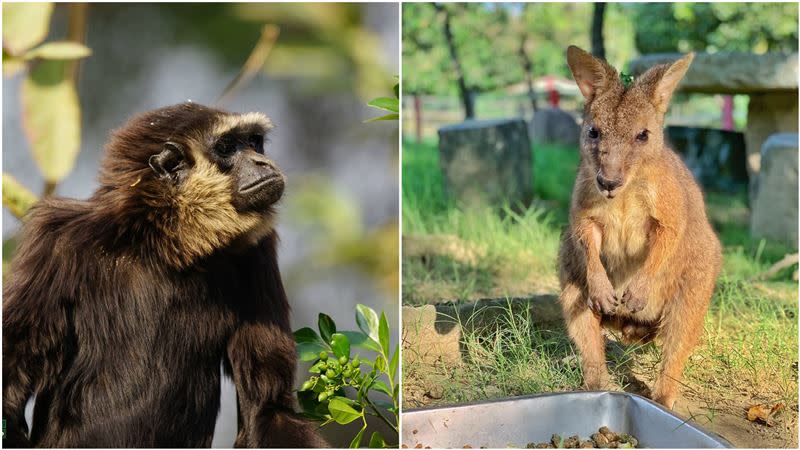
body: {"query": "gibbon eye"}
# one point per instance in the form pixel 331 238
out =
pixel 642 136
pixel 226 147
pixel 256 141
pixel 593 133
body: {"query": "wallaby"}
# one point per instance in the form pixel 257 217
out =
pixel 639 255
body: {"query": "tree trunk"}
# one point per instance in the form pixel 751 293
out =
pixel 598 46
pixel 527 66
pixel 466 97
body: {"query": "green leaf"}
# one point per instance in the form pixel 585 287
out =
pixel 376 440
pixel 367 320
pixel 25 25
pixel 394 363
pixel 16 197
pixel 356 442
pixel 326 327
pixel 361 340
pixel 380 364
pixel 380 386
pixel 51 118
pixel 383 333
pixel 309 351
pixel 385 103
pixel 340 345
pixel 397 90
pixel 341 412
pixel 306 335
pixel 66 50
pixel 349 401
pixel 393 116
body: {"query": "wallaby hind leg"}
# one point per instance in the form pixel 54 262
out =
pixel 680 334
pixel 583 327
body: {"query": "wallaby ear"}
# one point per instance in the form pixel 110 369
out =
pixel 167 162
pixel 591 74
pixel 666 84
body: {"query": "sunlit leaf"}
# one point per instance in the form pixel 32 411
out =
pixel 392 116
pixel 385 103
pixel 376 440
pixel 361 340
pixel 25 25
pixel 341 412
pixel 11 64
pixel 16 197
pixel 51 118
pixel 356 442
pixel 382 387
pixel 383 333
pixel 394 363
pixel 367 321
pixel 59 50
pixel 340 345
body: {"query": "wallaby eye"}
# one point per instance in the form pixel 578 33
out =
pixel 642 136
pixel 593 133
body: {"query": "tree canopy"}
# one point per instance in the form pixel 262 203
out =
pixel 487 37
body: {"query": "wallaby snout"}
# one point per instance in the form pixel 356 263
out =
pixel 607 185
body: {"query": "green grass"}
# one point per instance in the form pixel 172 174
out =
pixel 749 350
pixel 517 249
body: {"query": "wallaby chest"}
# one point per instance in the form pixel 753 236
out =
pixel 625 224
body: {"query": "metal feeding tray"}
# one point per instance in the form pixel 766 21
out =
pixel 518 421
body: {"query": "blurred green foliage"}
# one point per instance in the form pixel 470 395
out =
pixel 712 27
pixel 487 37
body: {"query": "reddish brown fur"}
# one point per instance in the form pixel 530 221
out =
pixel 645 260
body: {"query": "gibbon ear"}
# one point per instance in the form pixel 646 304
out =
pixel 168 161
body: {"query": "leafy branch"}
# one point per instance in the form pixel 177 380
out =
pixel 335 373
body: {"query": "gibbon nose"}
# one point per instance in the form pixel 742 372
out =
pixel 606 184
pixel 259 159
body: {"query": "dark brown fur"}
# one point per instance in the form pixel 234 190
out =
pixel 640 257
pixel 119 310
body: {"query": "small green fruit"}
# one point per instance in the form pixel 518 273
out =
pixel 330 373
pixel 343 360
pixel 323 355
pixel 322 396
pixel 307 385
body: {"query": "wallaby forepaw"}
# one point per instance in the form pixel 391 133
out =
pixel 603 301
pixel 634 300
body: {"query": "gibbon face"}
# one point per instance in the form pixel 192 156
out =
pixel 199 175
pixel 235 147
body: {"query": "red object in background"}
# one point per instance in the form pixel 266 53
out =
pixel 553 96
pixel 727 112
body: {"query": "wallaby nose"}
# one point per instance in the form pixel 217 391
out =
pixel 606 184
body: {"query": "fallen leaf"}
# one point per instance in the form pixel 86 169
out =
pixel 762 412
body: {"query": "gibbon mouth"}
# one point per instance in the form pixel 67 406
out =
pixel 259 184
